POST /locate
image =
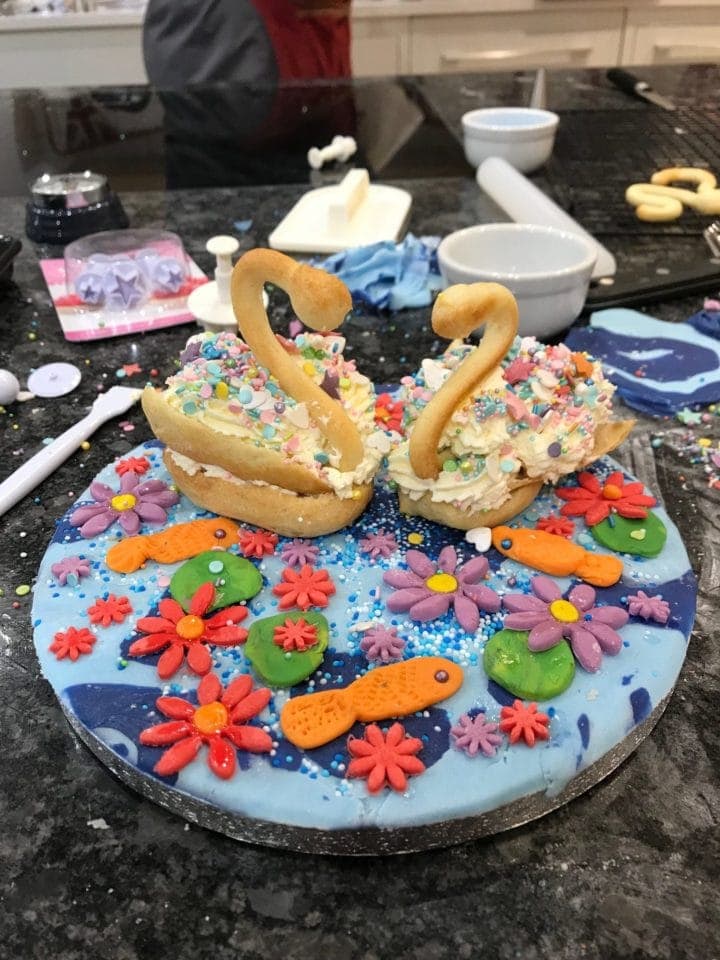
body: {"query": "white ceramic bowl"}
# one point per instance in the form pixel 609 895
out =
pixel 521 135
pixel 548 270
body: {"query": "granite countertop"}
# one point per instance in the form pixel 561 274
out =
pixel 90 869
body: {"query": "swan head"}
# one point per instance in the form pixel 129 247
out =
pixel 321 300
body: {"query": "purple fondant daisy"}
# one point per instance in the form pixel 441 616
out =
pixel 70 570
pixel 476 733
pixel 378 544
pixel 427 589
pixel 649 608
pixel 382 644
pixel 549 617
pixel 299 552
pixel 134 503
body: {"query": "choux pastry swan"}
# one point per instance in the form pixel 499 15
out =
pixel 488 425
pixel 275 432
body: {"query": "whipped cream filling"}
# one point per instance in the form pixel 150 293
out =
pixel 534 416
pixel 221 386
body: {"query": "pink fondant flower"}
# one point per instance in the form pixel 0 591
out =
pixel 378 544
pixel 596 501
pixel 590 630
pixel 221 716
pixel 476 733
pixel 649 608
pixel 70 570
pixel 299 552
pixel 428 589
pixel 135 502
pixel 382 644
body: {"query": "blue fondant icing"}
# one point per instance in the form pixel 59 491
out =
pixel 309 789
pixel 641 704
pixel 584 728
pixel 123 708
pixel 500 694
pixel 679 365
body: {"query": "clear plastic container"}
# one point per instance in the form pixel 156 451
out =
pixel 121 270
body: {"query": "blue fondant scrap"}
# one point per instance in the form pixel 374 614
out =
pixel 707 322
pixel 657 367
pixel 390 275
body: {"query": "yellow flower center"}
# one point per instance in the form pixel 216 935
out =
pixel 611 492
pixel 211 718
pixel 123 501
pixel 564 611
pixel 190 627
pixel 442 583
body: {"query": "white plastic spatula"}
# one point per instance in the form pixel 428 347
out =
pixel 117 400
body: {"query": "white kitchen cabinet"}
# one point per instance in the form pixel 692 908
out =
pixel 500 41
pixel 658 35
pixel 380 46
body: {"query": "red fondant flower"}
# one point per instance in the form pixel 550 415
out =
pixel 389 413
pixel 257 543
pixel 596 501
pixel 304 588
pixel 72 643
pixel 385 760
pixel 138 465
pixel 221 716
pixel 110 609
pixel 560 526
pixel 295 635
pixel 524 721
pixel 187 634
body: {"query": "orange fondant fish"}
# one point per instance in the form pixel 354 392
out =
pixel 385 692
pixel 180 542
pixel 556 555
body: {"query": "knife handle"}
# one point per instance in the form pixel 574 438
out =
pixel 627 82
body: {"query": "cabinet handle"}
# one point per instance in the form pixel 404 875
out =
pixel 670 53
pixel 508 57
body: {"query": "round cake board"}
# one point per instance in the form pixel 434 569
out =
pixel 304 800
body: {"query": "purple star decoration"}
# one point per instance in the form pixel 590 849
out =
pixel 590 630
pixel 299 552
pixel 89 287
pixel 124 285
pixel 427 590
pixel 382 644
pixel 649 608
pixel 473 734
pixel 135 502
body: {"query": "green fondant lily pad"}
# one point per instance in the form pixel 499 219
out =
pixel 643 538
pixel 526 674
pixel 234 579
pixel 282 668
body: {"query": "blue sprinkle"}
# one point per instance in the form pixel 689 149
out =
pixel 626 680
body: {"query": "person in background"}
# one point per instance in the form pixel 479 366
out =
pixel 266 42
